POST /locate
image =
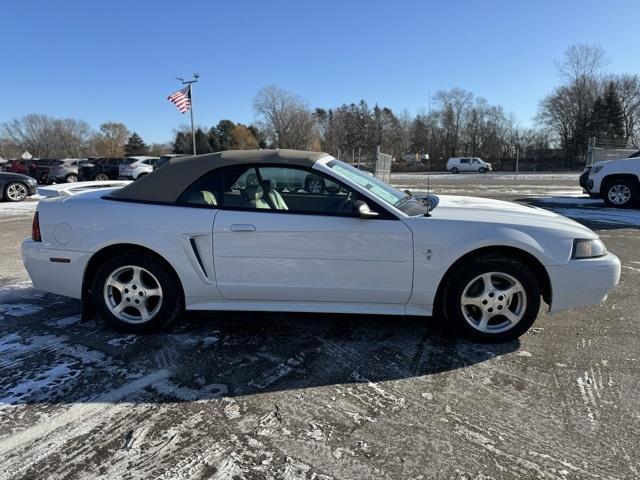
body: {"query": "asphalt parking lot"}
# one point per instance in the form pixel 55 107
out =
pixel 260 396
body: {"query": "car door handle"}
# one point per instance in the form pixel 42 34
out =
pixel 243 227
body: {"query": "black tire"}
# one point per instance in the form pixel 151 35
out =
pixel 171 304
pixel 314 184
pixel 624 185
pixel 71 178
pixel 482 170
pixel 12 189
pixel 458 280
pixel 100 175
pixel 455 170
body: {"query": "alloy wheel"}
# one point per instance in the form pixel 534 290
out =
pixel 315 185
pixel 102 176
pixel 133 294
pixel 16 192
pixel 493 302
pixel 619 194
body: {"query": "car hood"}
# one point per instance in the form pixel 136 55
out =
pixel 16 176
pixel 486 210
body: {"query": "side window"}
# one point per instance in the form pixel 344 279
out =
pixel 303 191
pixel 464 160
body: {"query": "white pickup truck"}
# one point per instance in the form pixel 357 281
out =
pixel 617 182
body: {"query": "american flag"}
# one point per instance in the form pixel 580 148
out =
pixel 181 99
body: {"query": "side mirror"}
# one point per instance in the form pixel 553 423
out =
pixel 363 210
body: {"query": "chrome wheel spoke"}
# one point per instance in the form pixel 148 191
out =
pixel 488 284
pixel 115 283
pixel 136 277
pixel 475 301
pixel 153 292
pixel 512 317
pixel 512 290
pixel 484 321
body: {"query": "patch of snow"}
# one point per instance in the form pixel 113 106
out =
pixel 45 380
pixel 64 322
pixel 18 309
pixel 611 216
pixel 17 208
pixel 488 176
pixel 573 200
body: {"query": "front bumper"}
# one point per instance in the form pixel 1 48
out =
pixel 583 282
pixel 62 276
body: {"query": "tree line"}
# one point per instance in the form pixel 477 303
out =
pixel 588 103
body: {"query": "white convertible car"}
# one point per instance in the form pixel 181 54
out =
pixel 218 232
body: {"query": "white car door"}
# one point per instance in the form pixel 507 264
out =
pixel 307 254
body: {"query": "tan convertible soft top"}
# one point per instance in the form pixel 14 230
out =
pixel 169 181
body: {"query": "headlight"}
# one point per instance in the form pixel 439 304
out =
pixel 588 249
pixel 597 168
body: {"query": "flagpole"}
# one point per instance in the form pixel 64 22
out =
pixel 190 83
pixel 193 132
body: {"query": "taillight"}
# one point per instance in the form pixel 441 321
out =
pixel 35 229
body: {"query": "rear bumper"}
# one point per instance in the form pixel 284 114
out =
pixel 583 282
pixel 62 275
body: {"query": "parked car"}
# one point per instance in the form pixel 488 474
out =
pixel 24 167
pixel 16 187
pixel 133 168
pixel 100 169
pixel 360 246
pixel 617 182
pixel 468 164
pixel 66 171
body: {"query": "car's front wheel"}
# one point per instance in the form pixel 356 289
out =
pixel 101 176
pixel 620 193
pixel 72 178
pixel 492 299
pixel 136 293
pixel 482 170
pixel 15 192
pixel 454 170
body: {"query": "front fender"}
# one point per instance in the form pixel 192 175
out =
pixel 439 247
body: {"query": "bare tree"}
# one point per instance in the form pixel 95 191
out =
pixel 582 62
pixel 628 88
pixel 110 140
pixel 44 136
pixel 285 118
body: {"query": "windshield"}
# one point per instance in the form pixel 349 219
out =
pixel 377 187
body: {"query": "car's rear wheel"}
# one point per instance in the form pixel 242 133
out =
pixel 620 193
pixel 454 170
pixel 71 178
pixel 16 191
pixel 136 293
pixel 492 299
pixel 101 176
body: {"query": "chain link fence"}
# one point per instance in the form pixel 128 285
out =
pixel 383 166
pixel 600 150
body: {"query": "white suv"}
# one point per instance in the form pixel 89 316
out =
pixel 135 167
pixel 468 164
pixel 617 182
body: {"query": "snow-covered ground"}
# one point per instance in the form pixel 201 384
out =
pixel 489 177
pixel 20 208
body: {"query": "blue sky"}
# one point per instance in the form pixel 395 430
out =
pixel 116 60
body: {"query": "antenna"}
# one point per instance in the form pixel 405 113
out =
pixel 428 187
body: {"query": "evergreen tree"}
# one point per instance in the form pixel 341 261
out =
pixel 135 146
pixel 615 114
pixel 182 143
pixel 202 142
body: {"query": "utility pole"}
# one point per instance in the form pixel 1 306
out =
pixel 190 84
